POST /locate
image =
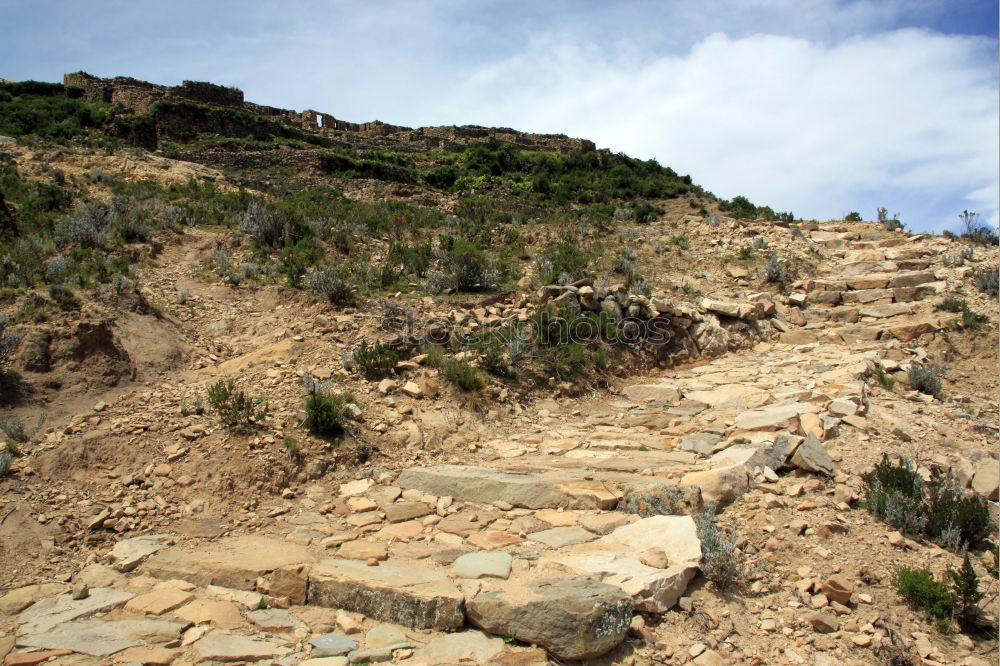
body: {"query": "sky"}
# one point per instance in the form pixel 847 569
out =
pixel 818 107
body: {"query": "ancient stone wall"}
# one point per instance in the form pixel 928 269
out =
pixel 140 96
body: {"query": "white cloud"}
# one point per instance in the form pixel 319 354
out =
pixel 893 119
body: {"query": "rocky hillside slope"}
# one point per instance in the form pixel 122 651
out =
pixel 351 399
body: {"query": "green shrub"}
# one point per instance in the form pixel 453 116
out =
pixel 937 509
pixel 236 409
pixel 970 319
pixel 952 304
pixel 435 356
pixel 643 212
pixel 374 362
pixel 566 259
pixel 468 266
pixel 883 378
pixel 326 414
pixel 973 320
pixel 926 379
pixel 465 376
pixel 953 519
pixel 988 282
pixel 853 217
pixel 932 597
pixel 965 584
pixel 894 494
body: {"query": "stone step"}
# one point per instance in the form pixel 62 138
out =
pixel 233 562
pixel 404 594
pixel 521 489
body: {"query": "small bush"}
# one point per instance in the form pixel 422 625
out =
pixel 15 431
pixel 883 378
pixel 977 231
pixel 265 228
pixel 776 271
pixel 236 409
pixel 973 320
pixel 465 376
pixel 721 561
pixel 435 356
pixel 965 585
pixel 952 304
pixel 987 282
pixel 894 494
pixel 970 319
pixel 937 509
pixel 6 457
pixel 64 298
pixel 374 362
pixel 326 414
pixel 852 217
pixel 954 520
pixel 932 597
pixel 331 283
pixel 83 229
pixel 926 379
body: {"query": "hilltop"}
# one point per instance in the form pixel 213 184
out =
pixel 286 388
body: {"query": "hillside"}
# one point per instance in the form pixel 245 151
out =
pixel 283 388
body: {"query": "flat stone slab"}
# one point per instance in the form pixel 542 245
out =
pixel 397 512
pixel 772 418
pixel 99 638
pixel 332 645
pixel 653 392
pixel 275 620
pixel 220 645
pixel 406 595
pixel 51 612
pixel 482 565
pixel 234 562
pixel 130 553
pixel 560 537
pixel 485 486
pixel 465 646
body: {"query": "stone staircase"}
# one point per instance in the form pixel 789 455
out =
pixel 555 535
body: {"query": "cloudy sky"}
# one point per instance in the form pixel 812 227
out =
pixel 820 107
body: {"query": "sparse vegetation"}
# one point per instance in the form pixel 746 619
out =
pixel 721 561
pixel 937 509
pixel 975 230
pixel 883 378
pixel 932 597
pixel 236 409
pixel 376 361
pixel 464 375
pixel 926 379
pixel 327 414
pixel 987 282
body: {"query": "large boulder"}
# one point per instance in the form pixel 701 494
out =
pixel 571 618
pixel 618 559
pixel 720 486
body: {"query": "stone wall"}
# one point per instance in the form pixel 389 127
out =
pixel 140 96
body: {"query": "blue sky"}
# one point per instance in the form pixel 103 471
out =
pixel 820 107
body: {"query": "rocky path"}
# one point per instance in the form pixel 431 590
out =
pixel 569 535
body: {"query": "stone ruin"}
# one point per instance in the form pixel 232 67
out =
pixel 140 97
